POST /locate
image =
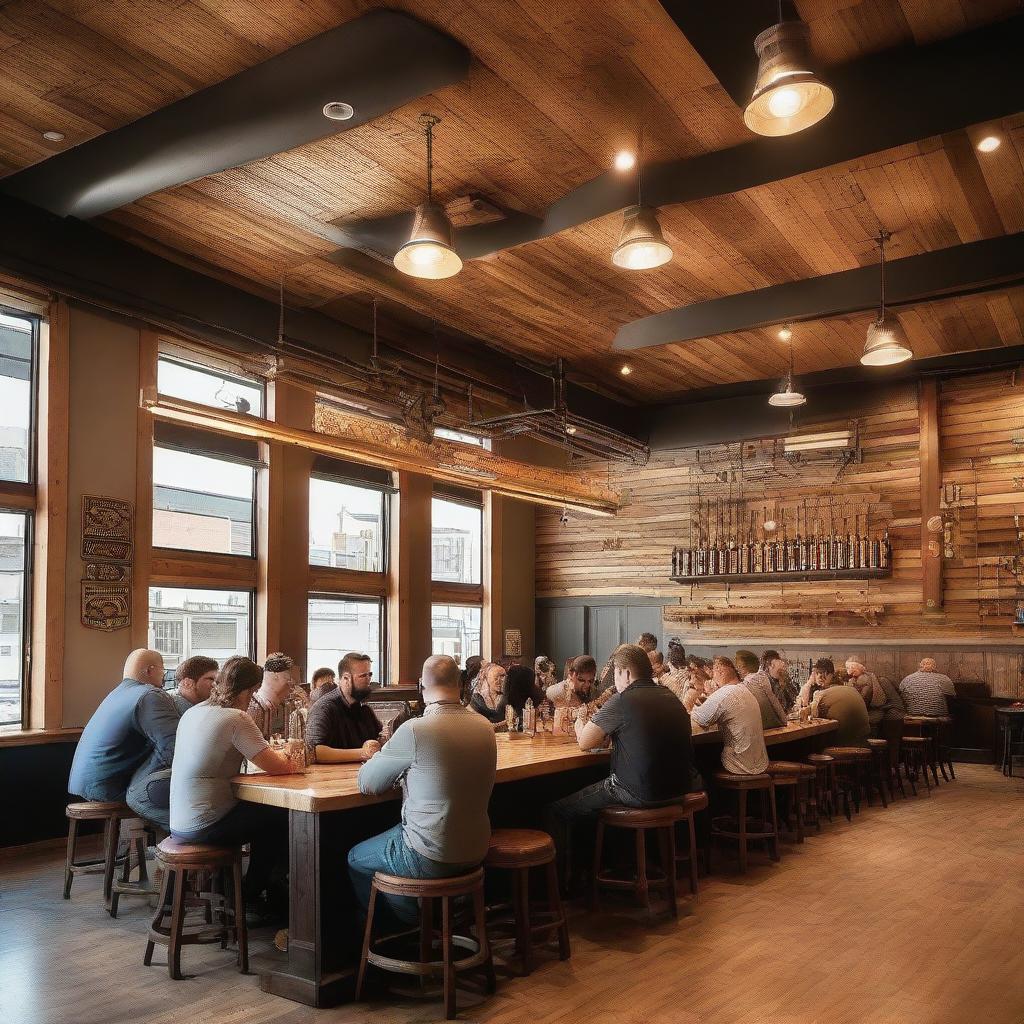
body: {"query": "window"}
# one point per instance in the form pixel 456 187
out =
pixel 455 630
pixel 209 386
pixel 203 503
pixel 462 437
pixel 347 526
pixel 14 548
pixel 17 351
pixel 186 622
pixel 455 534
pixel 337 625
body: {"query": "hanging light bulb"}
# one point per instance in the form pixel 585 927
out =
pixel 787 397
pixel 641 243
pixel 788 96
pixel 886 343
pixel 430 251
pixel 785 333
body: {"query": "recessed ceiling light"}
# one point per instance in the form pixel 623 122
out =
pixel 989 144
pixel 570 430
pixel 626 370
pixel 624 160
pixel 336 110
pixel 786 333
pixel 52 136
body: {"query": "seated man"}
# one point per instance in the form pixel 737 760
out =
pixel 277 698
pixel 774 665
pixel 758 682
pixel 340 727
pixel 126 748
pixel 445 762
pixel 322 683
pixel 734 709
pixel 820 677
pixel 578 688
pixel 842 704
pixel 658 666
pixel 867 685
pixel 652 756
pixel 195 678
pixel 925 691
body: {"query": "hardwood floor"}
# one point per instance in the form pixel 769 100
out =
pixel 911 915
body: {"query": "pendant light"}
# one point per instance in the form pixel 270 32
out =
pixel 430 251
pixel 641 244
pixel 887 343
pixel 787 397
pixel 788 96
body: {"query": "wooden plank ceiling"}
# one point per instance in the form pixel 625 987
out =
pixel 553 92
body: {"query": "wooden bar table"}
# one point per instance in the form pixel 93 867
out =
pixel 323 806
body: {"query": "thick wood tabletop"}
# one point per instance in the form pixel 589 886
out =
pixel 333 787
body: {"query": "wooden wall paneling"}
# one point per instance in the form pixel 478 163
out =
pixel 931 479
pixel 50 544
pixel 143 554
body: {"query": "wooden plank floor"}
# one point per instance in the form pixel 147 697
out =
pixel 911 915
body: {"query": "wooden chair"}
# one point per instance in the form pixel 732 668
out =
pixel 178 861
pixel 662 821
pixel 426 890
pixel 141 834
pixel 765 828
pixel 518 850
pixel 692 803
pixel 111 814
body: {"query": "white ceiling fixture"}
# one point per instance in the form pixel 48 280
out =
pixel 338 110
pixel 886 343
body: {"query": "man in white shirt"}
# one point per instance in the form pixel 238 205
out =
pixel 734 709
pixel 924 692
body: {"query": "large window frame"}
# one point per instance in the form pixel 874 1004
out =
pixel 198 366
pixel 18 724
pixel 385 523
pixel 381 669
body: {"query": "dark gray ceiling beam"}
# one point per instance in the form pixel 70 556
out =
pixel 883 100
pixel 376 63
pixel 957 270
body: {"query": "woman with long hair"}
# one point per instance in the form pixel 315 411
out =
pixel 489 698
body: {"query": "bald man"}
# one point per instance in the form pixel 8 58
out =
pixel 925 691
pixel 445 764
pixel 127 746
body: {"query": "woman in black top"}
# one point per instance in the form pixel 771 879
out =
pixel 489 699
pixel 521 686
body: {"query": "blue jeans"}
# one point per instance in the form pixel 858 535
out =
pixel 392 855
pixel 149 792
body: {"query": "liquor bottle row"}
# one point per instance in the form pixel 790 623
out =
pixel 782 554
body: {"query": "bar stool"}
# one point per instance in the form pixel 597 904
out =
pixel 851 763
pixel 692 803
pixel 141 834
pixel 881 768
pixel 110 812
pixel 178 859
pixel 925 727
pixel 943 747
pixel 1011 721
pixel 518 850
pixel 426 890
pixel 791 777
pixel 827 796
pixel 914 757
pixel 662 821
pixel 765 828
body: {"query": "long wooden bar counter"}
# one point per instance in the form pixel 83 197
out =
pixel 316 971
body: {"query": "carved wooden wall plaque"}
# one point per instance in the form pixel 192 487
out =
pixel 106 606
pixel 108 534
pixel 108 528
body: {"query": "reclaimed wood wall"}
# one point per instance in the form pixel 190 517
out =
pixel 981 444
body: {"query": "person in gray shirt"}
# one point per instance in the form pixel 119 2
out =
pixel 194 677
pixel 445 762
pixel 759 683
pixel 126 747
pixel 924 692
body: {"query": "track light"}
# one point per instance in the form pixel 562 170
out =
pixel 430 251
pixel 886 343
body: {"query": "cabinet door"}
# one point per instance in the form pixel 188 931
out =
pixel 561 634
pixel 607 623
pixel 644 619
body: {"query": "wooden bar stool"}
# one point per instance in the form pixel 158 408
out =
pixel 926 728
pixel 141 834
pixel 518 850
pixel 881 768
pixel 691 804
pixel 660 820
pixel 426 890
pixel 178 859
pixel 794 779
pixel 827 795
pixel 851 764
pixel 110 813
pixel 765 828
pixel 914 757
pixel 943 747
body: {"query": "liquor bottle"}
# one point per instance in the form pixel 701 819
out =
pixel 864 549
pixel 675 561
pixel 851 550
pixel 876 553
pixel 823 548
pixel 840 552
pixel 745 553
pixel 794 554
pixel 734 557
pixel 686 563
pixel 885 552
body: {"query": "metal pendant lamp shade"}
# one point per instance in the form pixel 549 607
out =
pixel 788 96
pixel 886 343
pixel 430 250
pixel 641 243
pixel 787 397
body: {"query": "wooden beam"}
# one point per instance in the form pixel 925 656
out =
pixel 143 561
pixel 172 568
pixel 931 483
pixel 493 611
pixel 409 570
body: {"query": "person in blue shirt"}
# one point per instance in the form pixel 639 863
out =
pixel 127 746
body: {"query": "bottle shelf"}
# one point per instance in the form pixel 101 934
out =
pixel 787 576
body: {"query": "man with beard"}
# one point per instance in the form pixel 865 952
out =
pixel 340 727
pixel 578 686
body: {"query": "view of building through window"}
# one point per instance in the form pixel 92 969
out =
pixel 337 625
pixel 456 531
pixel 184 622
pixel 346 526
pixel 455 630
pixel 16 347
pixel 202 503
pixel 208 386
pixel 13 529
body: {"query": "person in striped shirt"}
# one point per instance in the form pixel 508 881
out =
pixel 924 692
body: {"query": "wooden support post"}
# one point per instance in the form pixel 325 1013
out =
pixel 931 484
pixel 492 615
pixel 409 604
pixel 142 565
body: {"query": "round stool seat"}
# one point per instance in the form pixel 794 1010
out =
pixel 90 810
pixel 693 802
pixel 779 768
pixel 430 888
pixel 641 817
pixel 849 754
pixel 730 780
pixel 914 741
pixel 175 853
pixel 820 759
pixel 519 848
pixel 919 719
pixel 878 744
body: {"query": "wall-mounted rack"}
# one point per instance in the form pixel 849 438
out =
pixel 808 576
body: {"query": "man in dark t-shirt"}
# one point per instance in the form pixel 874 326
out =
pixel 652 753
pixel 341 727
